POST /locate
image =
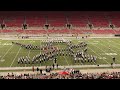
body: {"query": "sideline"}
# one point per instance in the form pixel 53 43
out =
pixel 62 67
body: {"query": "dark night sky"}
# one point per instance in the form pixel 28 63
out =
pixel 59 5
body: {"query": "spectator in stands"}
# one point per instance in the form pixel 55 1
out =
pixel 40 71
pixel 53 65
pixel 114 59
pixel 37 69
pixel 57 66
pixel 33 68
pixel 76 74
pixel 112 65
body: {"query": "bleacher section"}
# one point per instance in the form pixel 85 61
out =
pixel 35 21
pixel 115 18
pixel 78 19
pixel 98 19
pixel 58 21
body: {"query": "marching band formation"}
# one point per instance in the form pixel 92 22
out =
pixel 50 52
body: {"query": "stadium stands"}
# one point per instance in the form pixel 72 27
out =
pixel 71 75
pixel 78 21
pixel 98 19
pixel 35 21
pixel 115 18
pixel 57 22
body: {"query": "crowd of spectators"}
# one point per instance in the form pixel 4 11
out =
pixel 71 75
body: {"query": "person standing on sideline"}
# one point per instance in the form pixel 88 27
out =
pixel 40 71
pixel 33 68
pixel 114 59
pixel 112 65
pixel 53 65
pixel 57 66
pixel 37 69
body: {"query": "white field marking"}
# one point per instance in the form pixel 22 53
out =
pixel 66 60
pixel 110 49
pixel 110 54
pixel 13 52
pixel 114 42
pixel 5 42
pixel 81 49
pixel 13 44
pixel 16 55
pixel 101 50
pixel 6 52
pixel 102 57
pixel 95 41
pixel 64 56
pixel 99 55
pixel 88 43
pixel 32 41
pixel 2 60
pixel 105 52
pixel 29 51
pixel 111 41
pixel 40 50
pixel 92 43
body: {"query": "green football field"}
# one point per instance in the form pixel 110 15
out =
pixel 9 53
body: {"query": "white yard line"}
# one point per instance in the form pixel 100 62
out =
pixel 16 55
pixel 64 56
pixel 40 50
pixel 30 50
pixel 29 53
pixel 112 45
pixel 15 52
pixel 11 46
pixel 110 49
pixel 115 43
pixel 66 60
pixel 7 52
pixel 104 51
pixel 98 55
pixel 100 49
pixel 4 45
pixel 85 40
